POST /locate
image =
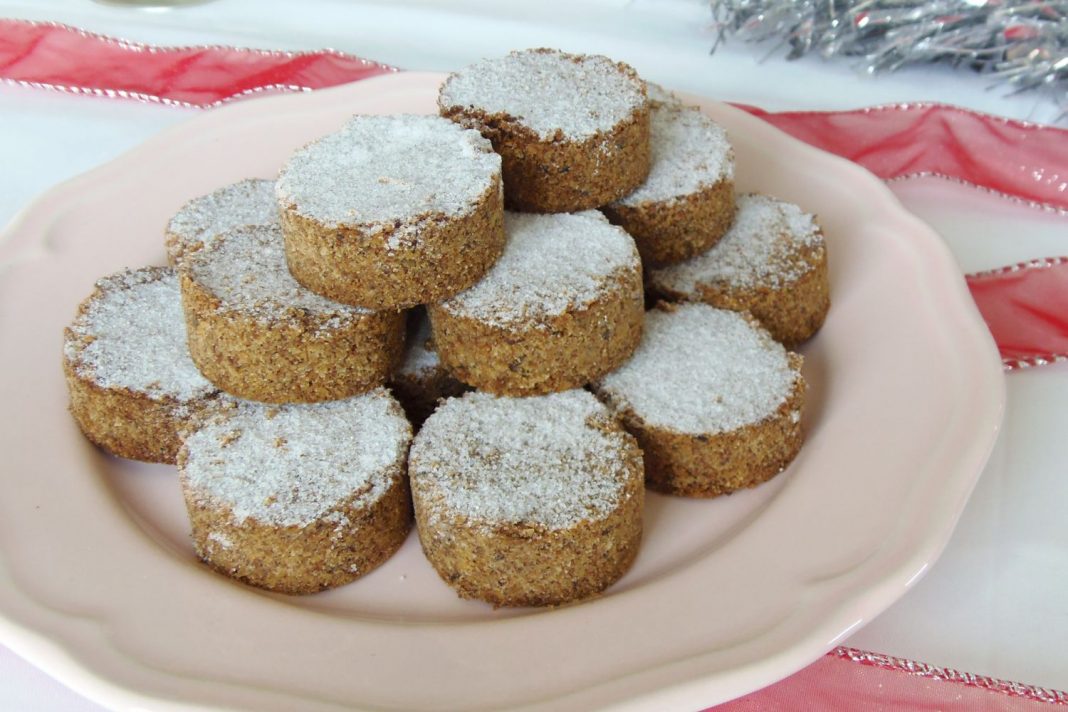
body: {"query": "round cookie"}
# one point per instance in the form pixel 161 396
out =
pixel 392 211
pixel 527 501
pixel 258 334
pixel 421 380
pixel 279 500
pixel 771 263
pixel 572 130
pixel 561 307
pixel 132 384
pixel 713 400
pixel 247 202
pixel 687 202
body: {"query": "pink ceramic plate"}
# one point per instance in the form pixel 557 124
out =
pixel 99 586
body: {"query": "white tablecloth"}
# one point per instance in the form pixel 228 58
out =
pixel 994 603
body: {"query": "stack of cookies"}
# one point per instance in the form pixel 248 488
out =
pixel 483 276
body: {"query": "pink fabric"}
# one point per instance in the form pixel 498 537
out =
pixel 1026 306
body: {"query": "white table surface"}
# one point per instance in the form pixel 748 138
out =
pixel 993 604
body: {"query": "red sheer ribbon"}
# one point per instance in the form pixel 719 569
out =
pixel 58 57
pixel 870 681
pixel 1023 160
pixel 1024 306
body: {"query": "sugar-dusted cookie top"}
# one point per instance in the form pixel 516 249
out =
pixel 291 464
pixel 701 370
pixel 762 248
pixel 245 269
pixel 690 151
pixel 201 220
pixel 549 461
pixel 383 173
pixel 549 92
pixel 131 333
pixel 551 264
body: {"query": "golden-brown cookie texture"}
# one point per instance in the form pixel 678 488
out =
pixel 687 203
pixel 132 383
pixel 527 501
pixel 713 400
pixel 561 307
pixel 298 498
pixel 572 129
pixel 201 220
pixel 422 380
pixel 771 263
pixel 256 333
pixel 392 211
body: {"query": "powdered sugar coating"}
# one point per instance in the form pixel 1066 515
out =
pixel 550 264
pixel 658 95
pixel 290 465
pixel 549 91
pixel 761 248
pixel 701 371
pixel 382 173
pixel 246 270
pixel 547 460
pixel 247 202
pixel 131 334
pixel 689 152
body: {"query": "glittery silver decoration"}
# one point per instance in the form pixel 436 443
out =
pixel 1021 44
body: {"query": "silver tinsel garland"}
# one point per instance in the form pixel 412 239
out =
pixel 1022 44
